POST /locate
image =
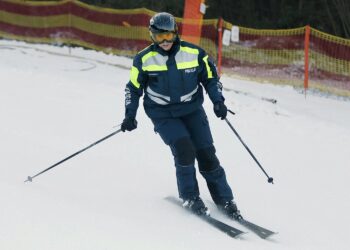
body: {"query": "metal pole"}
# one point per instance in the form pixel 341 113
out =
pixel 30 178
pixel 269 179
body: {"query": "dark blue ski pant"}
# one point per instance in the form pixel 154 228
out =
pixel 189 138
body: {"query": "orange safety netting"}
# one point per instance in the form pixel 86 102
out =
pixel 265 55
pixel 329 63
pixel 274 55
pixel 121 32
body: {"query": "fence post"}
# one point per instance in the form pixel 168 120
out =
pixel 220 24
pixel 306 58
pixel 192 21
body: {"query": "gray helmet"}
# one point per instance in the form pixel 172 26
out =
pixel 162 22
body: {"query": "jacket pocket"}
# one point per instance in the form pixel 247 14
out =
pixel 190 79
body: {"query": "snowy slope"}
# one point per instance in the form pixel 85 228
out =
pixel 112 196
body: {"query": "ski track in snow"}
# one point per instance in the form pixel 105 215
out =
pixel 53 104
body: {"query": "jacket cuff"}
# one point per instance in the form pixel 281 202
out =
pixel 131 113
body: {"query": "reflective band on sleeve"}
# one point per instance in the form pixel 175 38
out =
pixel 210 73
pixel 134 73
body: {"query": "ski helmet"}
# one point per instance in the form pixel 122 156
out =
pixel 163 27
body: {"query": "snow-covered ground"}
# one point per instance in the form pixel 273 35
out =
pixel 112 196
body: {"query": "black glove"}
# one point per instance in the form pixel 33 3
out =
pixel 129 124
pixel 220 110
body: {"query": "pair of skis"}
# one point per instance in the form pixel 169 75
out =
pixel 230 230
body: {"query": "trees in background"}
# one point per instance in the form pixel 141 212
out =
pixel 331 16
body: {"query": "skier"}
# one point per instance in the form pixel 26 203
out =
pixel 171 72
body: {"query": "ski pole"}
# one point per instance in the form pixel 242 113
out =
pixel 30 178
pixel 269 179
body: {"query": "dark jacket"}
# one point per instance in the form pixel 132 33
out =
pixel 171 81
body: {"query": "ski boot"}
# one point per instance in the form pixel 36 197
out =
pixel 230 209
pixel 196 205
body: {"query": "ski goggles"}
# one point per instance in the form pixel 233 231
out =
pixel 165 36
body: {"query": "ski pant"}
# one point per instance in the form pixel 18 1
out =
pixel 189 138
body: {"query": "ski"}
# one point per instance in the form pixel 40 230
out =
pixel 229 230
pixel 262 232
pixel 258 230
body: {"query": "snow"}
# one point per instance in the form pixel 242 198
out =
pixel 55 101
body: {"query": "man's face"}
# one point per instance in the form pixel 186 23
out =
pixel 166 45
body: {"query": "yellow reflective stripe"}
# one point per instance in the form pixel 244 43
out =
pixel 190 50
pixel 155 68
pixel 185 58
pixel 134 73
pixel 158 63
pixel 148 55
pixel 187 65
pixel 210 73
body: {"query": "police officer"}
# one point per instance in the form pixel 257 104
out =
pixel 171 74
